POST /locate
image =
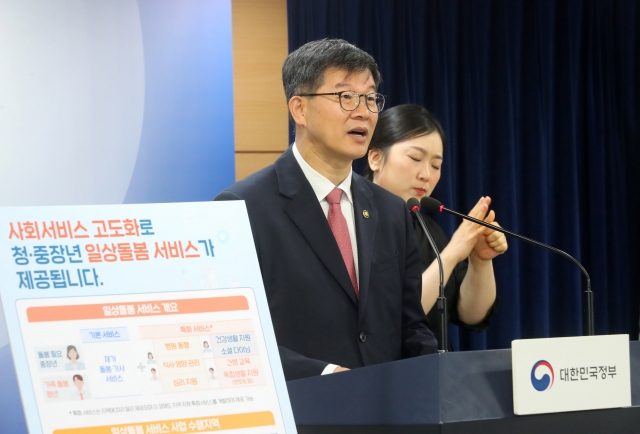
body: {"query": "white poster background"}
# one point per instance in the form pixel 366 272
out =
pixel 72 90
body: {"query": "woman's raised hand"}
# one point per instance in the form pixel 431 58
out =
pixel 466 237
pixel 490 243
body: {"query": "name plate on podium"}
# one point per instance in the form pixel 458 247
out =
pixel 570 374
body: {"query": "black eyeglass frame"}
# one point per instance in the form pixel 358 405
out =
pixel 352 91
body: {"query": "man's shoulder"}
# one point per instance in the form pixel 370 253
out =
pixel 379 194
pixel 254 186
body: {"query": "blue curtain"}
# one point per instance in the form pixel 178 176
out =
pixel 539 99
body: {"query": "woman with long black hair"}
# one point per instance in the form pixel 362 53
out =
pixel 405 157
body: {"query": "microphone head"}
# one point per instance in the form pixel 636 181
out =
pixel 412 204
pixel 430 204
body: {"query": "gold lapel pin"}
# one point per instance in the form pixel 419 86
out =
pixel 365 213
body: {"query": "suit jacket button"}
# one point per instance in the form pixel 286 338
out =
pixel 363 337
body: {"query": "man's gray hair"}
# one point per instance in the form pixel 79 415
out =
pixel 303 70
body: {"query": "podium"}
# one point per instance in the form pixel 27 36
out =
pixel 457 392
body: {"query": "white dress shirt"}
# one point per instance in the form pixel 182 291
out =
pixel 322 187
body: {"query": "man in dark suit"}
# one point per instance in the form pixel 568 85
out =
pixel 338 254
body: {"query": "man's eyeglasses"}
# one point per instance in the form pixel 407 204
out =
pixel 350 100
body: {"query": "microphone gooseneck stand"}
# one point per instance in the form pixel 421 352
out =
pixel 441 303
pixel 432 204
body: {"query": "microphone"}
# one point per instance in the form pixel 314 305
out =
pixel 441 303
pixel 432 205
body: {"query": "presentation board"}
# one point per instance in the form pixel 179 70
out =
pixel 140 318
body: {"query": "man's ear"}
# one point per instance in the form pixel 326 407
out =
pixel 375 160
pixel 297 106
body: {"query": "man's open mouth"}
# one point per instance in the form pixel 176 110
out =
pixel 361 132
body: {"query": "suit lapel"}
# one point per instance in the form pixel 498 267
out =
pixel 306 213
pixel 366 229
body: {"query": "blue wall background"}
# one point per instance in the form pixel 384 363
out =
pixel 187 149
pixel 111 102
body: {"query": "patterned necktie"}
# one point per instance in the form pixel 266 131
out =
pixel 338 225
